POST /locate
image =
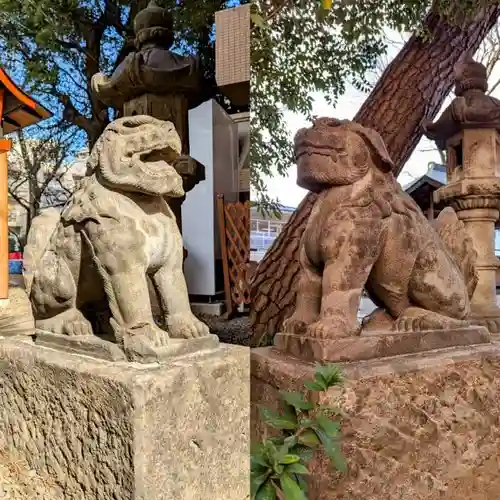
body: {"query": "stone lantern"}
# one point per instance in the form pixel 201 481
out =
pixel 153 80
pixel 469 131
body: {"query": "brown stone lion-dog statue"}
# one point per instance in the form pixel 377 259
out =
pixel 366 233
pixel 115 231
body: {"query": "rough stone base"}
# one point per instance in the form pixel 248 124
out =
pixel 121 431
pixel 419 427
pixel 96 347
pixel 377 344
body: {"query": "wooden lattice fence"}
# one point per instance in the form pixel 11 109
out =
pixel 234 231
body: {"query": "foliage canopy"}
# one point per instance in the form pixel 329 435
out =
pixel 298 48
pixel 54 47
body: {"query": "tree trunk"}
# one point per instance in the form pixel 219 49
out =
pixel 412 87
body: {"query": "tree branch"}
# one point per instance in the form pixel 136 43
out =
pixel 24 204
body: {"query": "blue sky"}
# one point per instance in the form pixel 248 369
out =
pixel 17 73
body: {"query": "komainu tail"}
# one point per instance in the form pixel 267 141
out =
pixel 452 232
pixel 40 233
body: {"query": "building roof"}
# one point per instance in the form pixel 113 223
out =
pixel 435 177
pixel 19 109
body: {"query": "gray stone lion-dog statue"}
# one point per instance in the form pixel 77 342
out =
pixel 115 231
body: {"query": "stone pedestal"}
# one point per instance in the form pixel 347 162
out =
pixel 377 344
pixel 420 427
pixel 117 430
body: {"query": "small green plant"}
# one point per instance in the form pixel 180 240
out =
pixel 279 463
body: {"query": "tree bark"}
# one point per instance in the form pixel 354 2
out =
pixel 412 88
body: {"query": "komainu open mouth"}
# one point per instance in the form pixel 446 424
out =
pixel 166 154
pixel 307 147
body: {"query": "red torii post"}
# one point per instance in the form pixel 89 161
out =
pixel 17 110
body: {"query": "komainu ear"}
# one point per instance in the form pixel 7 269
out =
pixel 377 146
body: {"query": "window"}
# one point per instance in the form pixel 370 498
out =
pixel 263 226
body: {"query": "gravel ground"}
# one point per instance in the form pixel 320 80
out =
pixel 19 482
pixel 232 331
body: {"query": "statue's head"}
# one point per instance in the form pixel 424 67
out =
pixel 337 152
pixel 135 153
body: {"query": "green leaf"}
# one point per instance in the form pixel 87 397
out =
pixel 330 374
pixel 305 422
pixel 290 488
pixel 297 468
pixel 258 20
pixel 258 461
pixel 43 36
pixel 301 480
pixel 284 448
pixel 319 380
pixel 332 450
pixel 279 468
pixel 315 386
pixel 290 441
pixel 325 440
pixel 256 448
pixel 309 438
pixel 277 440
pixel 338 460
pixel 282 451
pixel 257 481
pixel 270 450
pixel 297 400
pixel 305 452
pixel 275 420
pixel 266 492
pixel 289 411
pixel 331 428
pixel 289 459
